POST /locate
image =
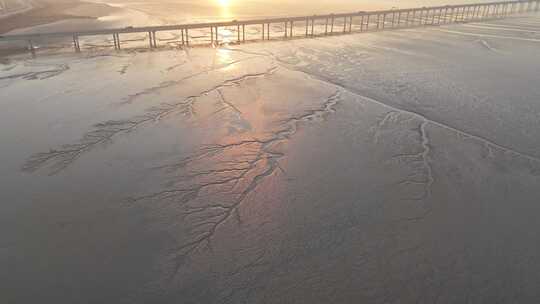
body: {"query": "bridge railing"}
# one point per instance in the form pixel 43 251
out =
pixel 295 27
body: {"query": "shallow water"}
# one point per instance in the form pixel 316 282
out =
pixel 390 167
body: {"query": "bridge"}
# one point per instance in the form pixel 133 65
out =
pixel 297 27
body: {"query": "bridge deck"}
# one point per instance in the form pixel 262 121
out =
pixel 434 15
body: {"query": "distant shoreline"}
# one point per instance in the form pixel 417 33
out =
pixel 25 7
pixel 49 11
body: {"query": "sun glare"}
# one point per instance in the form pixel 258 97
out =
pixel 224 8
pixel 224 3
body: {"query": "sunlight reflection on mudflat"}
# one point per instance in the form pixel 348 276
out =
pixel 224 57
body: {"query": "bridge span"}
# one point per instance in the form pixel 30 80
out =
pixel 238 31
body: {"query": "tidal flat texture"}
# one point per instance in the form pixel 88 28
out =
pixel 391 167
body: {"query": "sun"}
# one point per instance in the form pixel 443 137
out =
pixel 224 3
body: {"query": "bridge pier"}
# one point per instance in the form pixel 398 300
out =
pixel 31 47
pixel 76 45
pixel 182 34
pixel 407 19
pixel 326 27
pixel 480 13
pixel 445 19
pixel 116 38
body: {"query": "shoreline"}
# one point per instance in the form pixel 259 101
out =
pixel 20 10
pixel 50 11
pixel 46 12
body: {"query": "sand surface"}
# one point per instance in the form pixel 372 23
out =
pixel 388 167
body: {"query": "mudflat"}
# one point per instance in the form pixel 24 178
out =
pixel 386 167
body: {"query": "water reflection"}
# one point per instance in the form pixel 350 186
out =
pixel 226 36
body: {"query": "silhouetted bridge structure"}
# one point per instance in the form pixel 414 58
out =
pixel 294 27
